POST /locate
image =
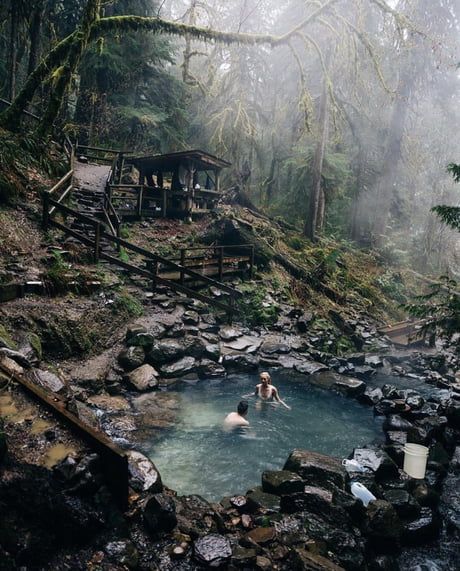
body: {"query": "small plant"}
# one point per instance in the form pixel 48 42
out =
pixel 296 243
pixel 256 308
pixel 127 304
pixel 125 233
pixel 57 275
pixel 123 255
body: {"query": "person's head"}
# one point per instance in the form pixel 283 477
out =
pixel 242 408
pixel 265 378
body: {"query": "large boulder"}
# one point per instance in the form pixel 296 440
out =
pixel 131 358
pixel 160 513
pixel 424 529
pixel 212 551
pixel 50 382
pixel 180 368
pixel 165 351
pixel 281 482
pixel 239 363
pixel 317 469
pixel 143 378
pixel 208 369
pixel 260 500
pixel 377 461
pixel 143 475
pixel 382 526
pixel 310 367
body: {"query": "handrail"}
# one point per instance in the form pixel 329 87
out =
pixel 91 148
pixel 24 111
pixel 64 179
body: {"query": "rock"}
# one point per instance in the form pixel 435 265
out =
pixel 212 351
pixel 424 529
pixel 382 526
pixel 281 482
pixel 123 552
pixel 263 563
pixel 16 356
pixel 376 460
pixel 348 386
pixel 229 333
pixel 273 344
pixel 212 550
pixel 165 351
pixel 395 422
pixel 261 535
pixel 453 414
pixel 260 500
pixel 364 372
pixel 243 556
pixel 197 517
pixel 49 381
pixel 451 501
pixel 143 339
pixel 313 500
pixel 131 358
pixel 191 318
pixel 180 368
pixel 303 560
pixel 374 361
pixel 240 363
pixel 160 513
pixel 405 505
pixel 357 359
pixel 310 367
pixel 143 475
pixel 240 503
pixel 208 369
pixel 371 395
pixel 243 343
pixel 143 378
pixel 317 469
pixel 109 404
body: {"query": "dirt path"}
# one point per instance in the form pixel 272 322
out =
pixel 91 176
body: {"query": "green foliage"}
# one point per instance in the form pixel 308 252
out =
pixel 123 255
pixel 128 305
pixel 392 285
pixel 256 308
pixel 450 215
pixel 7 337
pixel 296 242
pixel 57 275
pixel 440 308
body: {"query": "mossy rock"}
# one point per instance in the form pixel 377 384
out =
pixel 5 339
pixel 36 344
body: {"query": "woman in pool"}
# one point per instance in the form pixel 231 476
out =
pixel 268 392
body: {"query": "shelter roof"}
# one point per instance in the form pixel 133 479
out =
pixel 170 161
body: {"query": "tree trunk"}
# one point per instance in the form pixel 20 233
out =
pixel 314 221
pixel 90 16
pixel 34 35
pixel 13 51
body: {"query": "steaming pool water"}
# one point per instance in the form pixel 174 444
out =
pixel 198 457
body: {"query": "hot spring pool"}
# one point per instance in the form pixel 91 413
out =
pixel 198 457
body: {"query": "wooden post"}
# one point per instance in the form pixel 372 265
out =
pixel 97 241
pixel 221 263
pixel 251 263
pixel 182 263
pixel 164 206
pixel 46 210
pixel 217 180
pixel 121 162
pixel 139 201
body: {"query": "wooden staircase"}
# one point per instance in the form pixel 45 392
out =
pixel 90 219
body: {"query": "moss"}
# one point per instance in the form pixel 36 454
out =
pixel 7 337
pixel 128 305
pixel 344 345
pixel 36 344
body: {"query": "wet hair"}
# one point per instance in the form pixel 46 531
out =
pixel 242 407
pixel 265 374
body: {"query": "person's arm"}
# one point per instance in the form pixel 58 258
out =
pixel 255 393
pixel 276 396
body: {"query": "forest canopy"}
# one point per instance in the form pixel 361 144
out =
pixel 337 115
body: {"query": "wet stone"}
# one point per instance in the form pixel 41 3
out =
pixel 131 358
pixel 371 395
pixel 143 475
pixel 281 482
pixel 165 351
pixel 180 368
pixel 395 422
pixel 317 469
pixel 143 378
pixel 258 499
pixel 243 556
pixel 160 513
pixel 310 367
pixel 49 381
pixel 312 499
pixel 123 552
pixel 240 503
pixel 240 363
pixel 382 526
pixel 405 505
pixel 262 535
pixel 377 460
pixel 422 530
pixel 212 550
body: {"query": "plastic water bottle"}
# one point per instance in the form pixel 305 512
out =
pixel 362 493
pixel 353 466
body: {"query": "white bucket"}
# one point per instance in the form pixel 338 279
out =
pixel 415 458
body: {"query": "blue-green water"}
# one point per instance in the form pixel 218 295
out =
pixel 198 457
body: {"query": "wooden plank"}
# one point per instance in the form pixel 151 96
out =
pixel 64 179
pixel 71 211
pixel 87 241
pixel 114 461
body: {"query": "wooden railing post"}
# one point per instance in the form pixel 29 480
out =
pixel 46 210
pixel 139 201
pixel 221 263
pixel 121 162
pixel 164 206
pixel 182 263
pixel 97 241
pixel 251 263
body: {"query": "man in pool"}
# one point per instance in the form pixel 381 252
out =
pixel 237 419
pixel 267 392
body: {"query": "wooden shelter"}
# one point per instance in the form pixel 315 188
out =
pixel 180 184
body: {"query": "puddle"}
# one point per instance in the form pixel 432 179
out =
pixel 7 406
pixel 55 454
pixel 39 425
